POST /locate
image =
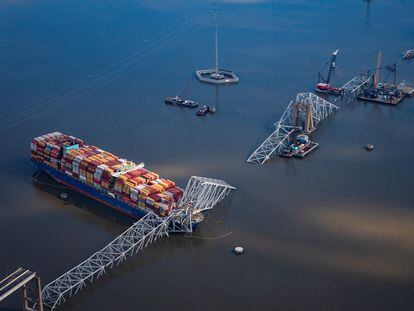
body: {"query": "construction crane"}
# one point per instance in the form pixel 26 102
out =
pixel 323 85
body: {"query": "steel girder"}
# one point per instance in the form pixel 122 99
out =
pixel 275 143
pixel 138 236
pixel 356 86
pixel 200 194
pixel 321 108
pixel 279 139
pixel 203 193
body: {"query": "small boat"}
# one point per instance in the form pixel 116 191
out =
pixel 203 111
pixel 178 101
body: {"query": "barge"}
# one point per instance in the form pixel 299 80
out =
pixel 300 148
pixel 178 101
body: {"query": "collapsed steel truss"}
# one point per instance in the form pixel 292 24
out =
pixel 355 87
pixel 201 194
pixel 275 143
pixel 279 139
pixel 321 108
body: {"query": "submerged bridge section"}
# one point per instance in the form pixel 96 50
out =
pixel 355 87
pixel 201 194
pixel 303 114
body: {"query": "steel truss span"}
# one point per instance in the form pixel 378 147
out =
pixel 302 114
pixel 355 87
pixel 201 194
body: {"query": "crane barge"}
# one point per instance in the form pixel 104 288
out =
pixel 323 85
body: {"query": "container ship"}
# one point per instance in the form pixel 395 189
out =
pixel 119 183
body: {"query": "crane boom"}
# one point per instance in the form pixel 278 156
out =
pixel 377 75
pixel 332 66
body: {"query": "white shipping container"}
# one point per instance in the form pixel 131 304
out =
pixel 75 167
pixel 78 159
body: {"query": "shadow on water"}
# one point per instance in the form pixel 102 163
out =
pixel 151 256
pixel 367 13
pixel 48 185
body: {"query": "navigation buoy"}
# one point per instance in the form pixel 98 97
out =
pixel 63 195
pixel 238 250
pixel 369 147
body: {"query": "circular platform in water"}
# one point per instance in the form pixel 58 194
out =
pixel 220 77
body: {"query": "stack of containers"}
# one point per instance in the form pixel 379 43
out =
pixel 91 165
pixel 102 170
pixel 48 148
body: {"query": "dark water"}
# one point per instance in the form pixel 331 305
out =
pixel 332 232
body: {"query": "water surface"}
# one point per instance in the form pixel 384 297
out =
pixel 331 232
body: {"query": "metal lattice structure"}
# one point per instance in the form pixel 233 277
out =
pixel 319 107
pixel 302 114
pixel 201 194
pixel 275 143
pixel 355 87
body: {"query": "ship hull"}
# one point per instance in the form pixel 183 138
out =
pixel 91 192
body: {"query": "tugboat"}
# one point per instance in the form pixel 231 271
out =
pixel 203 111
pixel 178 101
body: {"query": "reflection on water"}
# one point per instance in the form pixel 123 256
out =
pixel 329 232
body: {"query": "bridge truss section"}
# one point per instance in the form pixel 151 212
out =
pixel 319 108
pixel 356 87
pixel 306 106
pixel 201 194
pixel 275 143
pixel 138 236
